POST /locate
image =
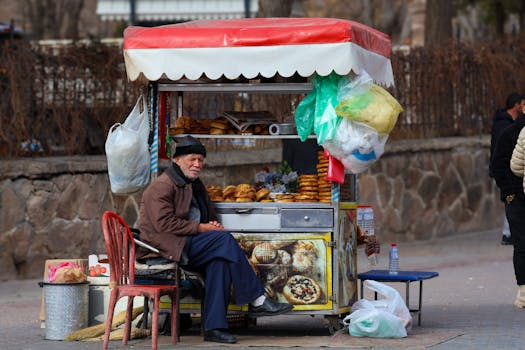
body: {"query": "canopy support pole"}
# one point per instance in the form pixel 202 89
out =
pixel 154 148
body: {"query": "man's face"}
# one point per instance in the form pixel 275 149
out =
pixel 522 107
pixel 191 165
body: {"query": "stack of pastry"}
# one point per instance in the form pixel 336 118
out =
pixel 239 193
pixel 188 125
pixel 218 127
pixel 308 188
pixel 263 195
pixel 245 193
pixel 182 125
pixel 325 187
pixel 215 193
pixel 200 126
pixel 284 198
pixel 228 193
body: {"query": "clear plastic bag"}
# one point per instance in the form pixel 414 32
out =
pixel 127 152
pixel 356 145
pixel 388 317
pixel 353 85
pixel 376 108
pixel 375 323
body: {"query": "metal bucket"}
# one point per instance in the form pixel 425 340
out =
pixel 67 307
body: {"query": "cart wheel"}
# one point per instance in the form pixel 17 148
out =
pixel 335 323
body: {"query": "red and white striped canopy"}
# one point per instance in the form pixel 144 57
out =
pixel 257 46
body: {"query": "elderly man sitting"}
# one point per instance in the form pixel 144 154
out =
pixel 178 218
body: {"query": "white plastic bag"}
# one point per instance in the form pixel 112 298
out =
pixel 127 151
pixel 356 145
pixel 388 317
pixel 391 301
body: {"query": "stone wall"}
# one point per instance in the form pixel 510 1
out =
pixel 51 207
pixel 432 188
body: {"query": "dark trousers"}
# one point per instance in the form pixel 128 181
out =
pixel 515 212
pixel 218 257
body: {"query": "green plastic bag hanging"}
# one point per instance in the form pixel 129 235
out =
pixel 326 119
pixel 304 116
pixel 317 110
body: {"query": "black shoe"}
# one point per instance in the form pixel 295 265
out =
pixel 506 240
pixel 269 308
pixel 219 336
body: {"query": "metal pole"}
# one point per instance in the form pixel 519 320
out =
pixel 247 8
pixel 132 9
pixel 154 144
pixel 11 29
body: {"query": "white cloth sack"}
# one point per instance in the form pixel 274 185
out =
pixel 127 151
pixel 388 317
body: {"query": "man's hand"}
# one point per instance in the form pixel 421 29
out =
pixel 211 226
pixel 217 224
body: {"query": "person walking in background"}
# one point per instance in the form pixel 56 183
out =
pixel 512 194
pixel 503 118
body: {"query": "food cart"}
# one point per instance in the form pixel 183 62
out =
pixel 303 251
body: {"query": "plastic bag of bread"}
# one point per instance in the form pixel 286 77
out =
pixel 66 272
pixel 375 107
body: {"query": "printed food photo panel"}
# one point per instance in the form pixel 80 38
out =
pixel 292 267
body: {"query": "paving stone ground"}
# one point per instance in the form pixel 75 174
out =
pixel 472 296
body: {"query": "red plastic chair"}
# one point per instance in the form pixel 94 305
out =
pixel 120 248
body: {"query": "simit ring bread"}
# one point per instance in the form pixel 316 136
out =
pixel 218 124
pixel 243 187
pixel 261 194
pixel 228 191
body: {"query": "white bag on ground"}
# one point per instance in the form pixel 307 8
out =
pixel 127 152
pixel 388 317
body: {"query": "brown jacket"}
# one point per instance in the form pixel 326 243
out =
pixel 164 213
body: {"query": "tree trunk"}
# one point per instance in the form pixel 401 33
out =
pixel 499 14
pixel 273 8
pixel 438 22
pixel 389 16
pixel 72 18
pixel 522 16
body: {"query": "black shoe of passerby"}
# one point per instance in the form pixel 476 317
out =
pixel 505 240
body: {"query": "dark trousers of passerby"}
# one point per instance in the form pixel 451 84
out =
pixel 515 212
pixel 217 255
